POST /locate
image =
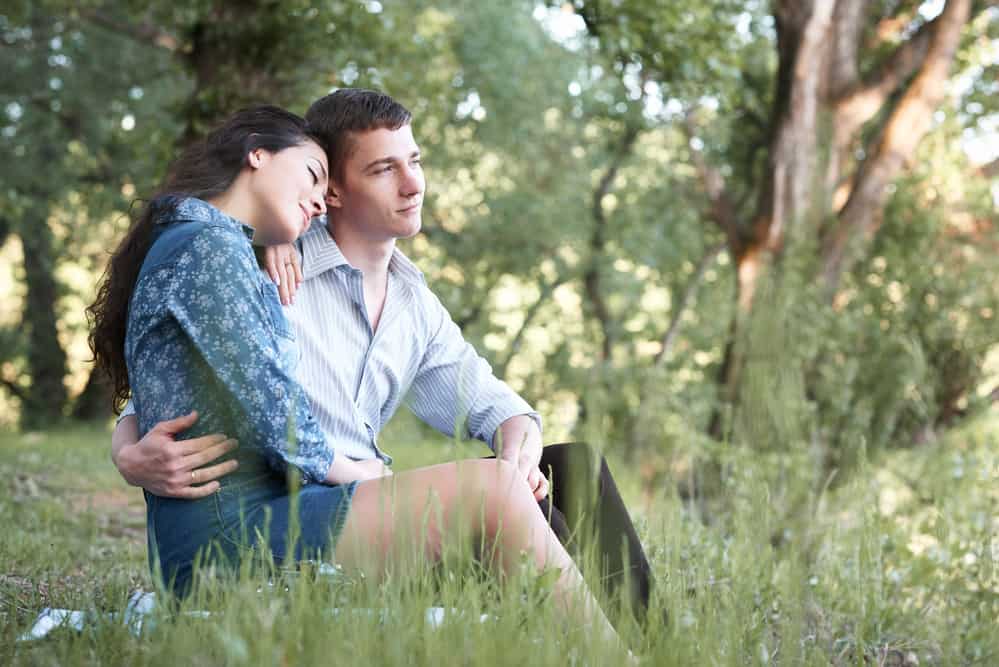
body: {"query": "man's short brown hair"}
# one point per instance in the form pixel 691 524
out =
pixel 334 118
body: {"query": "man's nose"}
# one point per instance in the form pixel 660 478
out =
pixel 412 183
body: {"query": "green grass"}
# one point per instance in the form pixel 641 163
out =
pixel 897 563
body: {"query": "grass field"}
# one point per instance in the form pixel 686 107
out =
pixel 895 566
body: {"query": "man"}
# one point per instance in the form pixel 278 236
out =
pixel 372 334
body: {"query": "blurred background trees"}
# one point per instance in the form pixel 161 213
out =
pixel 675 227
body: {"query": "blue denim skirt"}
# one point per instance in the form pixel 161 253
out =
pixel 250 516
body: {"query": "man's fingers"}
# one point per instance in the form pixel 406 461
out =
pixel 208 454
pixel 542 489
pixel 537 482
pixel 195 445
pixel 195 492
pixel 177 424
pixel 214 472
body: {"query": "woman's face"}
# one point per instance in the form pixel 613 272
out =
pixel 288 189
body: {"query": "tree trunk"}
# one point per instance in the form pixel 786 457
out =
pixel 47 395
pixel 95 401
pixel 787 189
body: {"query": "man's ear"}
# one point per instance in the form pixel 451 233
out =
pixel 333 197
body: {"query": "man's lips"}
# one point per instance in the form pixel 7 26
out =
pixel 410 209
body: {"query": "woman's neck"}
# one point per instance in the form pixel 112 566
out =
pixel 235 204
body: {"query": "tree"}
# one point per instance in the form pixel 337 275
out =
pixel 854 90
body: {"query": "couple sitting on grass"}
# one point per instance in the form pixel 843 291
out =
pixel 185 320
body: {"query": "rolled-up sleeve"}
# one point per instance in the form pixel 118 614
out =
pixel 217 301
pixel 454 389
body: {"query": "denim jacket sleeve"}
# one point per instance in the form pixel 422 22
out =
pixel 217 299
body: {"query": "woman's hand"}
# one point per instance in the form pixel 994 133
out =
pixel 345 470
pixel 168 467
pixel 282 265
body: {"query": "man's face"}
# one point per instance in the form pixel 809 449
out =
pixel 380 192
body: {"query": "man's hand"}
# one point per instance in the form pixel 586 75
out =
pixel 168 467
pixel 519 441
pixel 281 264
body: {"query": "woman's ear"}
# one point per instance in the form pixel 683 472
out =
pixel 255 158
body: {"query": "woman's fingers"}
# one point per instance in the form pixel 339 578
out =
pixel 281 264
pixel 284 286
pixel 290 279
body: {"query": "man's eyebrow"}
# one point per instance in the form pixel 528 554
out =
pixel 388 160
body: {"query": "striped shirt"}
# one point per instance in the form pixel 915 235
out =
pixel 356 378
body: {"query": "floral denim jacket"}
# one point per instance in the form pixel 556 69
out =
pixel 206 331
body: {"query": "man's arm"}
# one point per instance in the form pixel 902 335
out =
pixel 454 386
pixel 168 467
pixel 163 465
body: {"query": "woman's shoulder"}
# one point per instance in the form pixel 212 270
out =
pixel 190 231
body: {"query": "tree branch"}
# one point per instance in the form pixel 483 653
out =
pixel 856 105
pixel 144 33
pixel 722 209
pixel 688 293
pixel 15 389
pixel 591 278
pixel 989 169
pixel 848 25
pixel 905 127
pixel 532 312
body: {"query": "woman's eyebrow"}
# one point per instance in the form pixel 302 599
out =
pixel 318 162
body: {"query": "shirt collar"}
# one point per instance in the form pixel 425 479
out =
pixel 320 253
pixel 192 208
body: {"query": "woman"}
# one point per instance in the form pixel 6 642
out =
pixel 185 319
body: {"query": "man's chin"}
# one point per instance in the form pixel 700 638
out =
pixel 414 230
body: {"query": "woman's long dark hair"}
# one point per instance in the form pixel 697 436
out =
pixel 205 170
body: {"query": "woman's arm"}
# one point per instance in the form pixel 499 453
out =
pixel 168 467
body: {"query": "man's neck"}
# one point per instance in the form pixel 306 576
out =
pixel 371 257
